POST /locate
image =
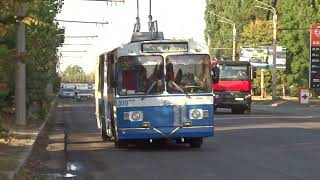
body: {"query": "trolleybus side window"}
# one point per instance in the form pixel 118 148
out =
pixel 190 73
pixel 110 76
pixel 101 73
pixel 139 75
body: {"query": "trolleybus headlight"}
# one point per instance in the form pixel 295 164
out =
pixel 205 113
pixel 136 116
pixel 196 114
pixel 126 116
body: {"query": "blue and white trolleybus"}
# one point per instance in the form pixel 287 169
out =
pixel 152 89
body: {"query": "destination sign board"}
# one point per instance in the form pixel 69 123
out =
pixel 164 47
pixel 314 69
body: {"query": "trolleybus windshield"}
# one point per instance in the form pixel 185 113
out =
pixel 190 73
pixel 138 75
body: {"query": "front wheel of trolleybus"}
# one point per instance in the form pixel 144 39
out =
pixel 103 129
pixel 196 142
pixel 121 144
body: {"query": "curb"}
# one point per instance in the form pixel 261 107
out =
pixel 25 155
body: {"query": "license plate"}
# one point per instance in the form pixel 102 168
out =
pixel 239 99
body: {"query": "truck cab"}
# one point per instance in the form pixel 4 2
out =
pixel 233 90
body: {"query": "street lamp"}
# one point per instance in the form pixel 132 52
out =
pixel 274 44
pixel 234 32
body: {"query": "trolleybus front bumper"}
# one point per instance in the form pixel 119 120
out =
pixel 165 132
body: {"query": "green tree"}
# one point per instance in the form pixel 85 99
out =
pixel 41 47
pixel 75 74
pixel 296 19
pixel 91 77
pixel 257 33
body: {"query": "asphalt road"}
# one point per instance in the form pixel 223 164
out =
pixel 256 146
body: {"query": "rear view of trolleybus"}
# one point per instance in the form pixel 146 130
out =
pixel 155 89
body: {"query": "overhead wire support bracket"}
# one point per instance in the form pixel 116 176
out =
pixel 81 36
pixel 85 22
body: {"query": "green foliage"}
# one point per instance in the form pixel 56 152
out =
pixel 74 74
pixel 257 33
pixel 297 17
pixel 41 47
pixel 4 133
pixel 42 42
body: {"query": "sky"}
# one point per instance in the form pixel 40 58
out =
pixel 176 18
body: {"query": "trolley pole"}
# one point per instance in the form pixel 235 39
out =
pixel 20 75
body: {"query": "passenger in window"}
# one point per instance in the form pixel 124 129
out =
pixel 142 79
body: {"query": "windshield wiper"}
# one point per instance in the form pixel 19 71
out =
pixel 179 88
pixel 150 88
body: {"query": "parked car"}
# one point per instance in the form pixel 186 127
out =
pixel 67 93
pixel 84 94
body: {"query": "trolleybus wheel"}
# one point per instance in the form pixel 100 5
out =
pixel 102 118
pixel 103 130
pixel 121 144
pixel 215 109
pixel 113 126
pixel 196 142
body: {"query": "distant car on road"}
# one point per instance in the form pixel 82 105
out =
pixel 67 93
pixel 84 94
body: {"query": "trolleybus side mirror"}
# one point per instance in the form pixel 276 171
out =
pixel 113 84
pixel 215 74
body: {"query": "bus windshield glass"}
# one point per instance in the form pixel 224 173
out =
pixel 188 74
pixel 231 72
pixel 139 75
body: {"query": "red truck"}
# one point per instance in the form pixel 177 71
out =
pixel 233 90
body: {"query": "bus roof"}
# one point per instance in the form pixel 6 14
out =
pixel 139 48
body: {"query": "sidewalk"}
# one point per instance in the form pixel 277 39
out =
pixel 288 106
pixel 15 150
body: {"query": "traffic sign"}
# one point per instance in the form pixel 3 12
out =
pixel 304 96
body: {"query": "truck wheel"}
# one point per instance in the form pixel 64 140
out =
pixel 237 111
pixel 196 142
pixel 234 111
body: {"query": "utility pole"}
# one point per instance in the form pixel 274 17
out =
pixel 274 44
pixel 20 76
pixel 274 62
pixel 234 32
